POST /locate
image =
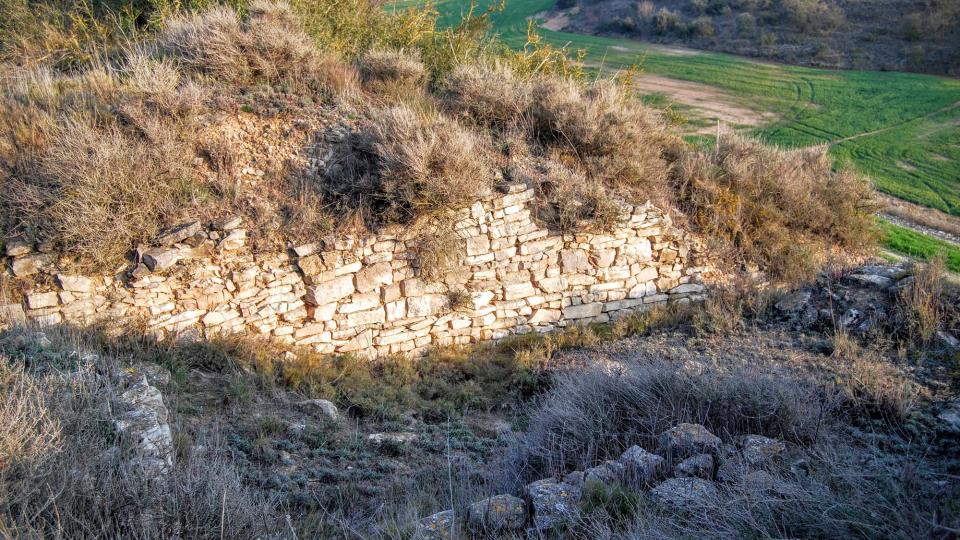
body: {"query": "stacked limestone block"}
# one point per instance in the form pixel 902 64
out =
pixel 349 294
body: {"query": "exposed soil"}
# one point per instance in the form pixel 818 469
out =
pixel 712 103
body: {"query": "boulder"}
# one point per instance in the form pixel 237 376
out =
pixel 79 284
pixel 30 264
pixel 439 526
pixel 604 476
pixel 687 440
pixel 760 451
pixel 793 302
pixel 228 223
pixel 400 437
pixel 642 468
pixel 179 234
pixel 234 240
pixel 143 423
pixel 698 466
pixel 18 247
pixel 159 259
pixel 870 280
pixel 326 408
pixel 498 513
pixel 685 493
pixel 554 503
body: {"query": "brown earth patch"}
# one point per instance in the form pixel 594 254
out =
pixel 712 104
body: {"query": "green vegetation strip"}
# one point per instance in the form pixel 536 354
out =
pixel 914 244
pixel 902 129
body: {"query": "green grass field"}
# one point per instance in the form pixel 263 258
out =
pixel 919 245
pixel 901 129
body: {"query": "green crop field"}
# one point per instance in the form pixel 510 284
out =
pixel 919 245
pixel 901 129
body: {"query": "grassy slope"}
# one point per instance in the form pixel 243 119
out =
pixel 814 105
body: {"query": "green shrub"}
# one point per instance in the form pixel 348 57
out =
pixel 702 27
pixel 746 24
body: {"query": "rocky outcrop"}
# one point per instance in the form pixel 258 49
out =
pixel 368 295
pixel 499 513
pixel 686 440
pixel 551 505
pixel 685 493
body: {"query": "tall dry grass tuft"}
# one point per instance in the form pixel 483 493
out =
pixel 780 209
pixel 920 303
pixel 394 72
pixel 98 161
pixel 404 163
pixel 268 47
pixel 90 167
pixel 487 93
pixel 28 433
pixel 615 141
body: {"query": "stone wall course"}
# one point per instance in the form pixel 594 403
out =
pixel 364 294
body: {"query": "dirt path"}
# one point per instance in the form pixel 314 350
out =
pixel 920 218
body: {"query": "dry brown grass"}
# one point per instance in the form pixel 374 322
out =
pixel 28 433
pixel 406 163
pixel 63 470
pixel 99 161
pixel 921 302
pixel 780 209
pixel 95 186
pixel 569 202
pixel 487 93
pixel 614 140
pixel 393 72
pixel 266 48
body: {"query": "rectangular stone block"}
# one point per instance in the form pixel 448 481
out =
pixel 360 302
pixel 583 311
pixel 42 300
pixel 372 277
pixel 373 316
pixel 517 291
pixel 330 291
pixel 75 283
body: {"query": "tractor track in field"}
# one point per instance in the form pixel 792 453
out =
pixel 895 126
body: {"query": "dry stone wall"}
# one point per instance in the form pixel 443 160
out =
pixel 366 295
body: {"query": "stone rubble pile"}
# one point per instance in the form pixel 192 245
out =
pixel 365 294
pixel 142 421
pixel 686 472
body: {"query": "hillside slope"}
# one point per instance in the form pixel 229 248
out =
pixel 889 35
